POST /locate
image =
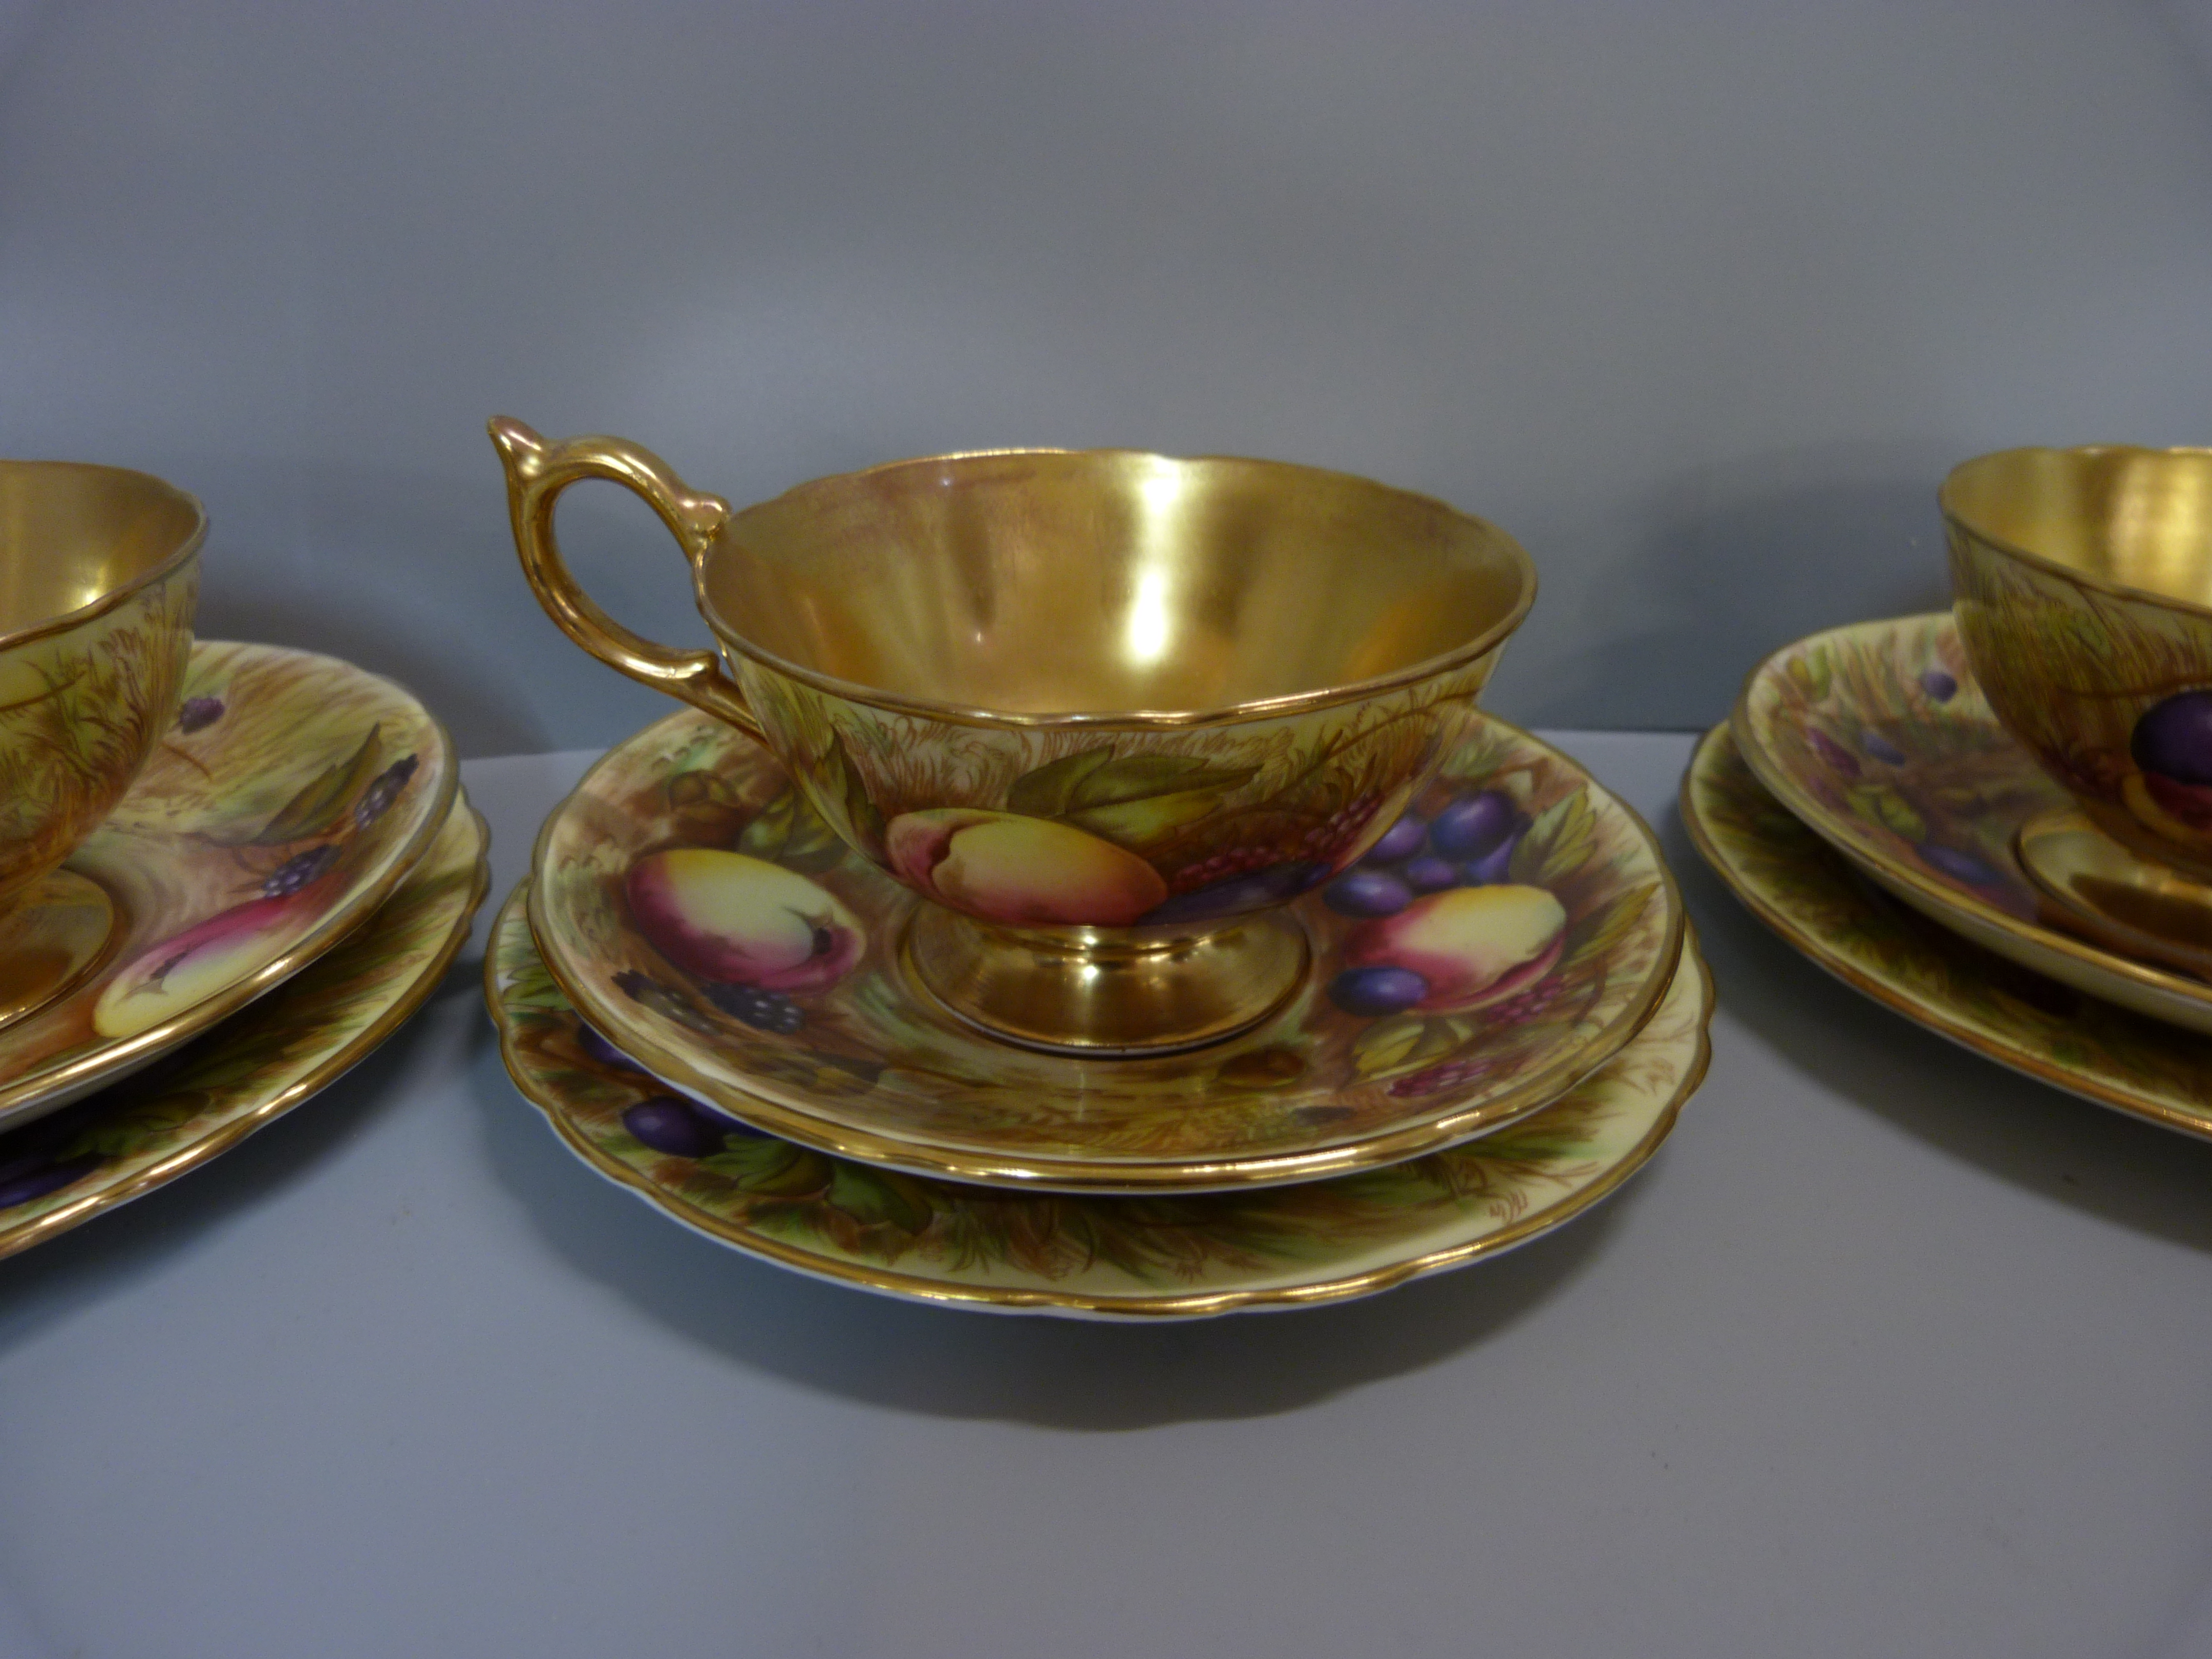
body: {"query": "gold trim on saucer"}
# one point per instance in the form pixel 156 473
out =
pixel 1795 882
pixel 1696 987
pixel 172 1093
pixel 2149 989
pixel 169 800
pixel 1322 1091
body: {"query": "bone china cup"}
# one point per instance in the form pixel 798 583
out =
pixel 2082 581
pixel 1107 712
pixel 99 571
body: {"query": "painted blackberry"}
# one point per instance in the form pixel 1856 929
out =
pixel 764 1011
pixel 1436 1078
pixel 299 870
pixel 196 714
pixel 383 790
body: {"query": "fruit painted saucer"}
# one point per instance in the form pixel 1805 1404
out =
pixel 1877 738
pixel 691 826
pixel 174 1115
pixel 1819 901
pixel 1161 1257
pixel 290 798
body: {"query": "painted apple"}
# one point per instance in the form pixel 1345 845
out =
pixel 1470 946
pixel 1006 867
pixel 737 919
pixel 210 957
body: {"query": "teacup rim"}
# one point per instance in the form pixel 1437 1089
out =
pixel 2043 561
pixel 186 550
pixel 1138 720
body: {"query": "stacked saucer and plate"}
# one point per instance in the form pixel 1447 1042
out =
pixel 227 871
pixel 1997 820
pixel 942 950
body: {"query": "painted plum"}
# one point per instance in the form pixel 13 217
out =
pixel 1474 825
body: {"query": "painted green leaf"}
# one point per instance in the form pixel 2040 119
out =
pixel 689 788
pixel 877 1197
pixel 1612 924
pixel 318 806
pixel 862 813
pixel 1141 777
pixel 776 1169
pixel 1558 844
pixel 1046 792
pixel 789 831
pixel 1877 802
pixel 1136 821
pixel 1400 1042
pixel 1386 1044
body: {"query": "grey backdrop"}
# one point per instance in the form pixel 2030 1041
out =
pixel 1698 298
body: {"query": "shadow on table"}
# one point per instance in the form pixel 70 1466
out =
pixel 960 1363
pixel 2076 1152
pixel 114 1248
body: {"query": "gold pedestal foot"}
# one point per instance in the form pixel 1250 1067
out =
pixel 2115 896
pixel 55 934
pixel 1109 992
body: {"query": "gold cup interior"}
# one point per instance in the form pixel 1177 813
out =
pixel 1044 583
pixel 74 537
pixel 2138 518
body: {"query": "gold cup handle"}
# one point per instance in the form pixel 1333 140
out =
pixel 536 472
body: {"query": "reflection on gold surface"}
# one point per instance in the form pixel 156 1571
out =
pixel 1045 583
pixel 2135 518
pixel 2124 903
pixel 71 535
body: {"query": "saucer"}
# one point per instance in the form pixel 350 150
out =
pixel 174 1115
pixel 1795 882
pixel 870 1067
pixel 1159 1256
pixel 1876 737
pixel 292 795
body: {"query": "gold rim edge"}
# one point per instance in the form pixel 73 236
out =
pixel 1297 703
pixel 1131 1179
pixel 1778 782
pixel 1838 966
pixel 1953 518
pixel 335 929
pixel 183 555
pixel 187 1159
pixel 908 1288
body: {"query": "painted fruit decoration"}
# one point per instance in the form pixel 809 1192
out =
pixel 204 960
pixel 2172 744
pixel 1454 952
pixel 735 920
pixel 1007 867
pixel 1445 929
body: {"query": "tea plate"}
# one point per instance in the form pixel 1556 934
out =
pixel 1792 880
pixel 1877 738
pixel 290 797
pixel 1159 1256
pixel 870 1067
pixel 202 1099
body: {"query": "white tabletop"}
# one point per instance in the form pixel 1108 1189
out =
pixel 1888 1352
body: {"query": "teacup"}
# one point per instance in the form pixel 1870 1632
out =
pixel 1108 712
pixel 99 573
pixel 2082 582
